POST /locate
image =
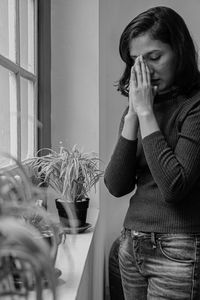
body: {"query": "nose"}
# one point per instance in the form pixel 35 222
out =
pixel 150 66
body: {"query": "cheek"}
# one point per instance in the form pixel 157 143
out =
pixel 169 65
pixel 167 69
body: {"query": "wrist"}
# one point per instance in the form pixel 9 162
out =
pixel 130 128
pixel 148 123
pixel 145 112
pixel 131 116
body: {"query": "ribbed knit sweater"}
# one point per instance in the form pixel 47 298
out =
pixel 164 167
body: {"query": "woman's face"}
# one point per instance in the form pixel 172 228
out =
pixel 158 56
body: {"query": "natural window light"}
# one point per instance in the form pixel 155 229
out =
pixel 18 78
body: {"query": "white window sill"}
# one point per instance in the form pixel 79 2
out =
pixel 71 258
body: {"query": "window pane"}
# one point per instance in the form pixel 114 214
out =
pixel 7 28
pixel 27 34
pixel 8 115
pixel 27 118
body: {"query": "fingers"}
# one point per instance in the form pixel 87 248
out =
pixel 132 86
pixel 142 73
pixel 148 76
pixel 138 70
pixel 133 77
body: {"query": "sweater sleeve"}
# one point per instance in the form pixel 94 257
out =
pixel 120 173
pixel 175 170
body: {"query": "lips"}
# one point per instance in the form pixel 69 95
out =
pixel 155 81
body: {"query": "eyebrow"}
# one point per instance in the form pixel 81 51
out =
pixel 148 53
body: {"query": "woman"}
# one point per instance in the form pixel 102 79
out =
pixel 158 153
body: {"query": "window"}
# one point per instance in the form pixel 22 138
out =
pixel 18 78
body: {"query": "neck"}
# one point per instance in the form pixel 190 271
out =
pixel 171 89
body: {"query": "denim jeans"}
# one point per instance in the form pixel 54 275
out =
pixel 160 266
pixel 115 284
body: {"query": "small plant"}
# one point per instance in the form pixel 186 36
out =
pixel 24 262
pixel 23 200
pixel 71 173
pixel 21 210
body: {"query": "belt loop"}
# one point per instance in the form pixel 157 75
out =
pixel 153 239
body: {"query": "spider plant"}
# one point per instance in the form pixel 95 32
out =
pixel 24 262
pixel 21 199
pixel 70 172
pixel 23 224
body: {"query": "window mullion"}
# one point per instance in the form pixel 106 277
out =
pixel 18 117
pixel 13 115
pixel 36 38
pixel 31 120
pixel 44 73
pixel 18 81
pixel 36 121
pixel 8 64
pixel 26 74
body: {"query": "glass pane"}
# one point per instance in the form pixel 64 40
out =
pixel 27 118
pixel 27 34
pixel 7 28
pixel 8 115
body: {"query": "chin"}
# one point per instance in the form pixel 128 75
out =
pixel 163 89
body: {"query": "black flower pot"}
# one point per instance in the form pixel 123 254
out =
pixel 72 214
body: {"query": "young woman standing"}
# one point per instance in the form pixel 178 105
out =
pixel 158 152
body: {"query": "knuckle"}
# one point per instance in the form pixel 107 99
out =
pixel 146 86
pixel 137 90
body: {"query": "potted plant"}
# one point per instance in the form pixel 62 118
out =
pixel 26 202
pixel 24 262
pixel 24 224
pixel 72 173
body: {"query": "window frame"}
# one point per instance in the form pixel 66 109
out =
pixel 41 77
pixel 44 73
pixel 20 72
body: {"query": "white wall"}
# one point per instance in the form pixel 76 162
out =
pixel 86 108
pixel 75 76
pixel 75 101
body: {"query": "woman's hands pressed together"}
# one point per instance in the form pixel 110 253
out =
pixel 141 97
pixel 141 93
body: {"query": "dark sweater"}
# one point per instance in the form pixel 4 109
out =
pixel 164 167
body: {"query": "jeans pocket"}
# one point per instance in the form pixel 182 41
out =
pixel 125 248
pixel 178 247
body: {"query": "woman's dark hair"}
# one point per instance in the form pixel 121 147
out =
pixel 164 24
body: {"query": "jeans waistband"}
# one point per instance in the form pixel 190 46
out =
pixel 137 234
pixel 154 236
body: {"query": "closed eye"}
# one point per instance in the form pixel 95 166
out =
pixel 155 58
